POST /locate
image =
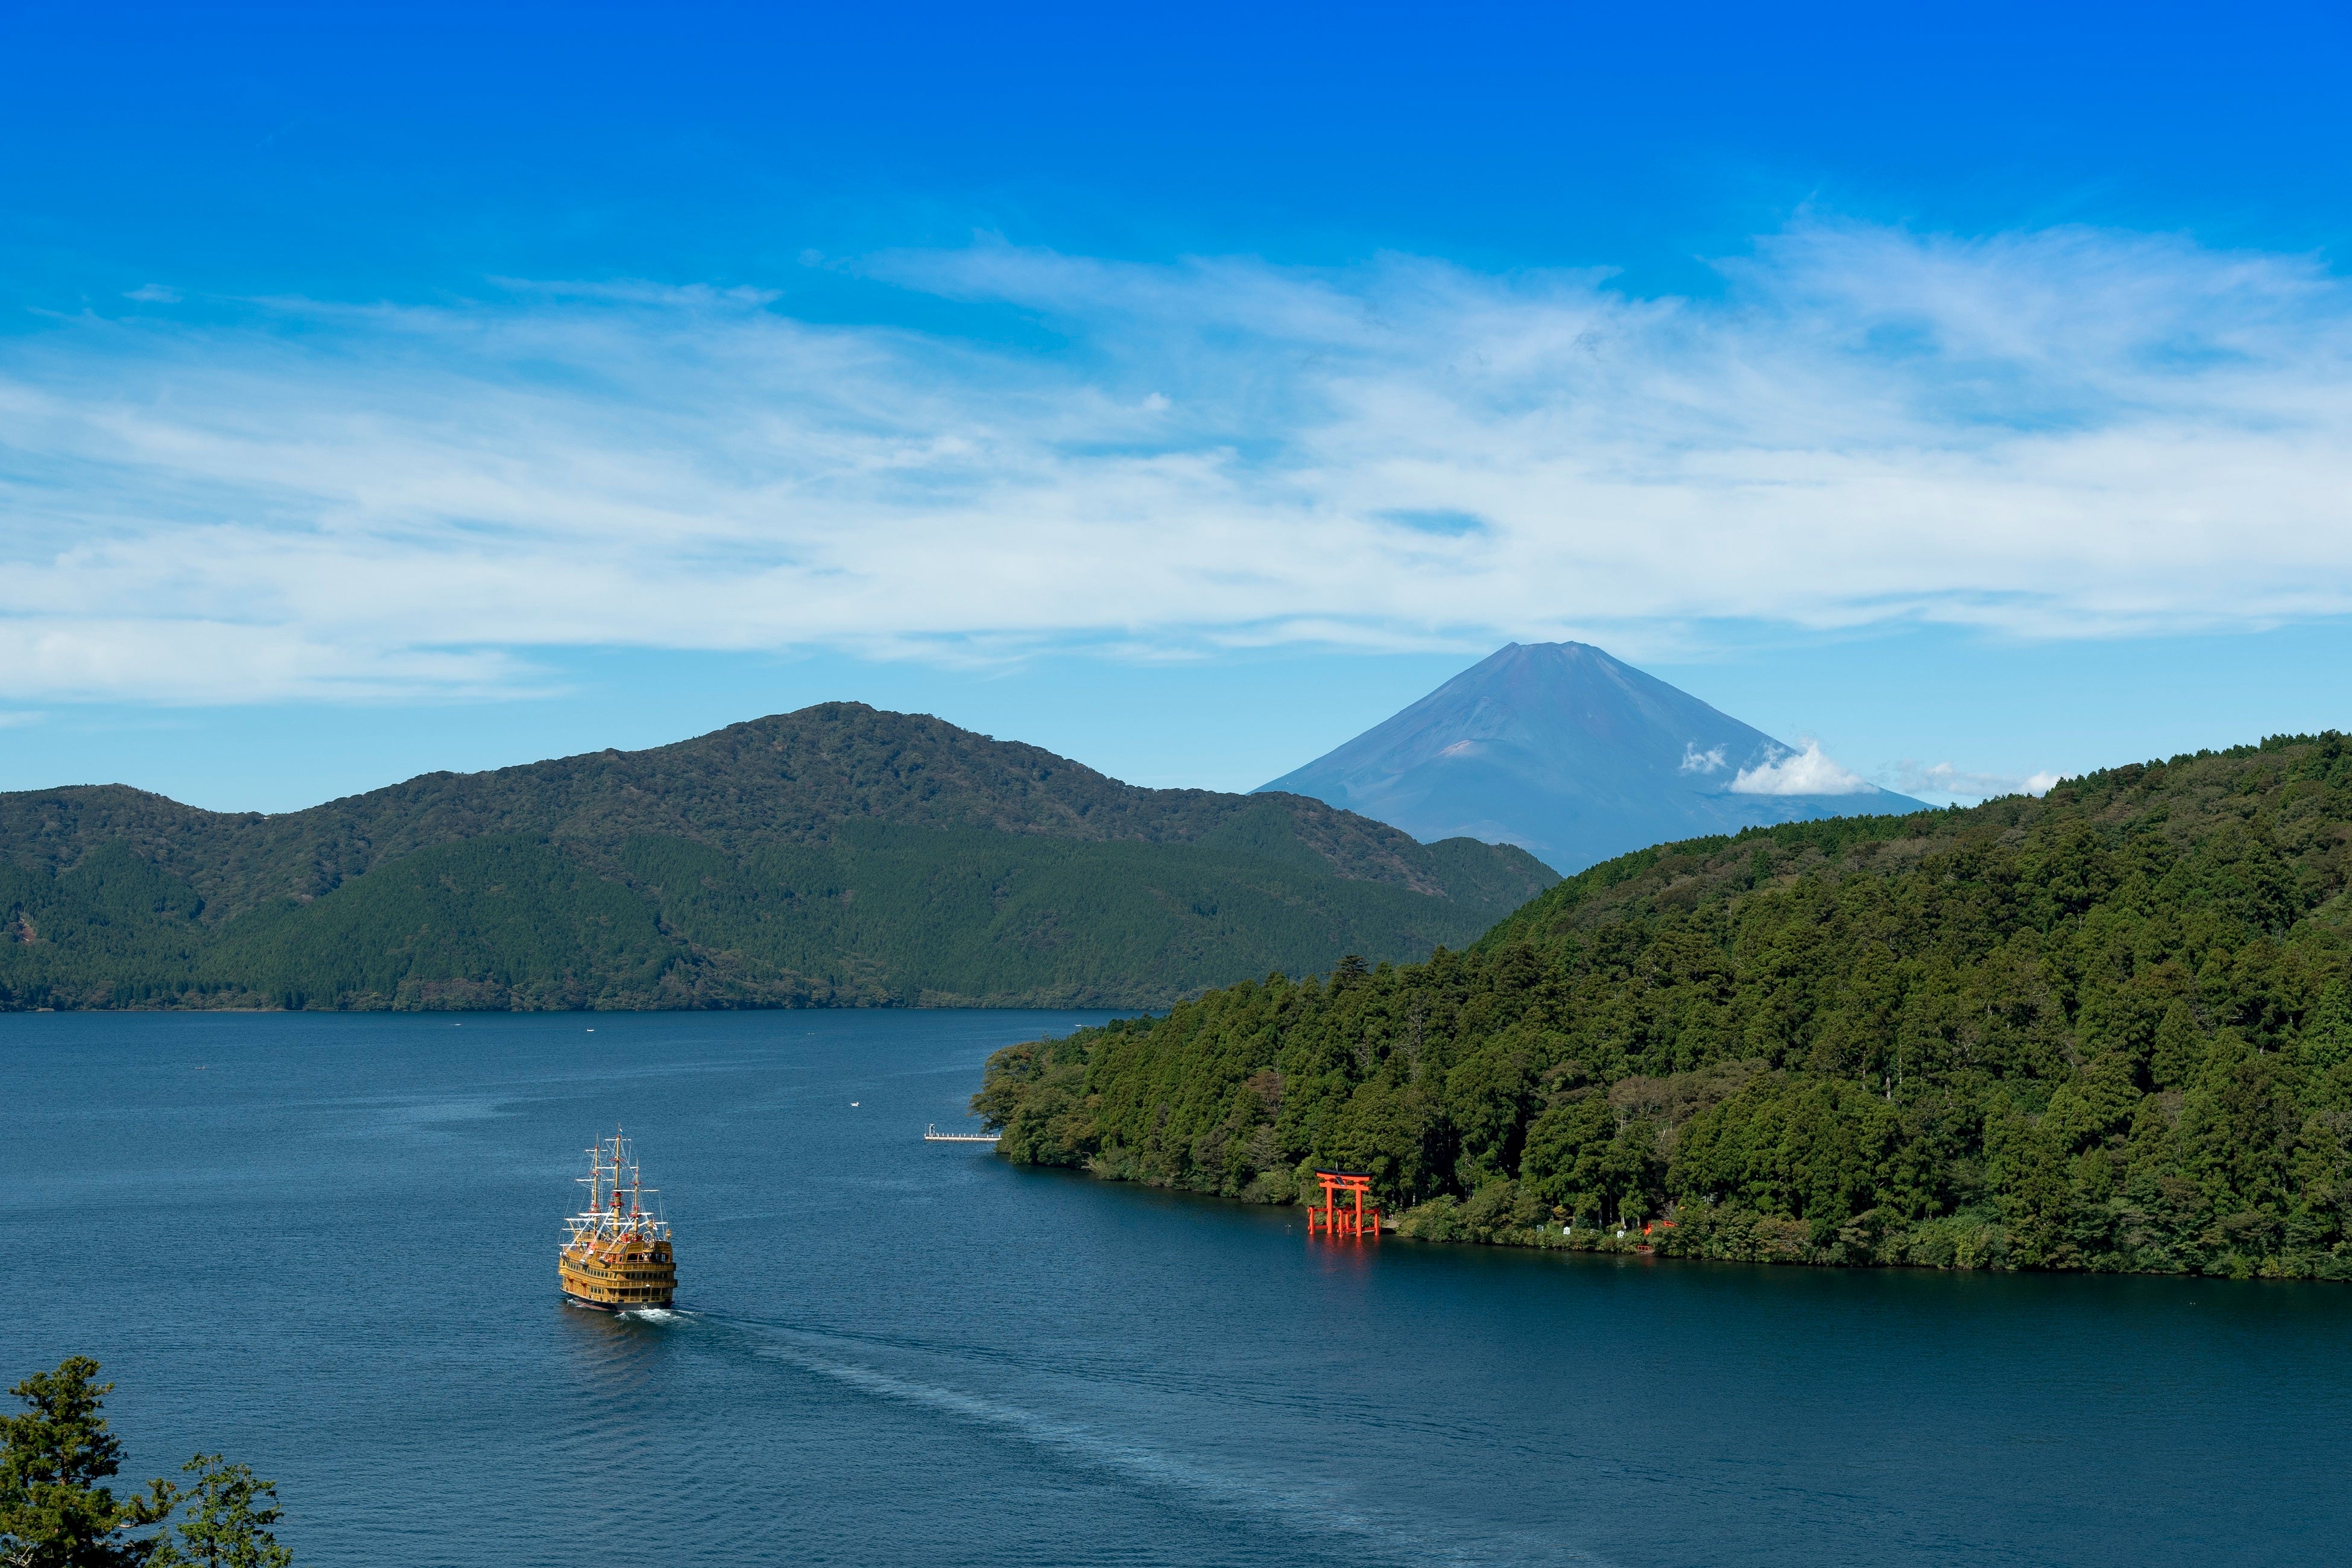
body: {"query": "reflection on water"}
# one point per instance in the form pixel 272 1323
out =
pixel 333 1254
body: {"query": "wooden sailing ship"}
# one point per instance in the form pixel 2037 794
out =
pixel 616 1257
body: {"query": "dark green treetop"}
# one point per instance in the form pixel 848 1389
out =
pixel 230 1513
pixel 56 1510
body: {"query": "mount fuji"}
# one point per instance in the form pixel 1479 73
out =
pixel 1576 757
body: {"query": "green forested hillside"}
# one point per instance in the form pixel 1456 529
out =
pixel 835 856
pixel 2110 1029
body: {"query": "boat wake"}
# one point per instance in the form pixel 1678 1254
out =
pixel 1288 1507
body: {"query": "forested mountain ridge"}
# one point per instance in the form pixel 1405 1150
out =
pixel 788 778
pixel 834 854
pixel 2110 1029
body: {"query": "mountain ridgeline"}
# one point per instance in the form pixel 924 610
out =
pixel 835 856
pixel 2106 1029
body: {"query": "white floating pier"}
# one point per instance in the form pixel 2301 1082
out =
pixel 931 1134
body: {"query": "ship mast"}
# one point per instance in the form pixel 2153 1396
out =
pixel 604 1215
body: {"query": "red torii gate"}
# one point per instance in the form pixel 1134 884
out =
pixel 1358 1221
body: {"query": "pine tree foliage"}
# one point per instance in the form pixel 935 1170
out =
pixel 56 1509
pixel 228 1519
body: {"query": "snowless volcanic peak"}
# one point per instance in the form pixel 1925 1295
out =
pixel 1576 757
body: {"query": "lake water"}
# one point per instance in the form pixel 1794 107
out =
pixel 326 1244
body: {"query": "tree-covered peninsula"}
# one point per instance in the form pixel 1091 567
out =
pixel 2107 1029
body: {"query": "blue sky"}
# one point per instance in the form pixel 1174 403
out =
pixel 1185 390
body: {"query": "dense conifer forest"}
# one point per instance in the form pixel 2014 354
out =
pixel 838 855
pixel 2110 1029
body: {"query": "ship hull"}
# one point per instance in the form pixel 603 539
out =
pixel 624 1282
pixel 610 1300
pixel 615 1308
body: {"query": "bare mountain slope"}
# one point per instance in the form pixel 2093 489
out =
pixel 1573 755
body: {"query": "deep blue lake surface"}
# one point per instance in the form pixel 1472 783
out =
pixel 327 1244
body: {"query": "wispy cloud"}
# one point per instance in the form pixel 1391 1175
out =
pixel 1698 762
pixel 2063 433
pixel 1959 783
pixel 1808 771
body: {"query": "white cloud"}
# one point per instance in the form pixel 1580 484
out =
pixel 1698 762
pixel 153 294
pixel 222 660
pixel 2059 434
pixel 1808 771
pixel 1944 779
pixel 9 721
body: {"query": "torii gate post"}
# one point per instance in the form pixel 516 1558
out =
pixel 1355 1221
